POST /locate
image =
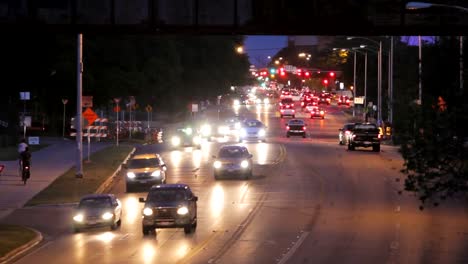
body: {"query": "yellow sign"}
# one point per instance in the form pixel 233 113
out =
pixel 149 108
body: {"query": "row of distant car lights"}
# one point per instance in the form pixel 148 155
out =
pixel 224 130
pixel 236 103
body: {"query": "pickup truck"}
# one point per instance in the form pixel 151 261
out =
pixel 365 135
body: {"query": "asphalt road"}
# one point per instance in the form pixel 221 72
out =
pixel 309 201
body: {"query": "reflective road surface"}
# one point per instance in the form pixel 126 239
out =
pixel 309 201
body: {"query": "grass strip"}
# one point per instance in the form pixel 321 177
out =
pixel 69 189
pixel 11 153
pixel 12 237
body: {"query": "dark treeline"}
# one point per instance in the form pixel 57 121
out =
pixel 166 72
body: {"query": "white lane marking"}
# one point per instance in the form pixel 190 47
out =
pixel 292 250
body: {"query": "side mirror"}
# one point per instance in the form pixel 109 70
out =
pixel 194 198
pixel 164 167
pixel 141 200
pixel 340 129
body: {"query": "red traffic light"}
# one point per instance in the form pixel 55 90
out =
pixel 325 81
pixel 307 74
pixel 331 74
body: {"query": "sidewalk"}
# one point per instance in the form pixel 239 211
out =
pixel 46 165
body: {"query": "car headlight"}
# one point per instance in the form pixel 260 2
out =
pixel 131 175
pixel 237 125
pixel 107 216
pixel 217 164
pixel 148 211
pixel 262 132
pixel 244 164
pixel 182 210
pixel 175 141
pixel 196 140
pixel 236 103
pixel 78 218
pixel 258 101
pixel 243 133
pixel 188 131
pixel 205 130
pixel 266 101
pixel 156 173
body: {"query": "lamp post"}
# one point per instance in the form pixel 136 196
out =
pixel 422 5
pixel 64 102
pixel 379 76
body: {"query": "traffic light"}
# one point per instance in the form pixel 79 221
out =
pixel 282 73
pixel 325 81
pixel 307 74
pixel 331 74
pixel 299 72
pixel 272 71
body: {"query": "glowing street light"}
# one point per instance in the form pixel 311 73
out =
pixel 240 49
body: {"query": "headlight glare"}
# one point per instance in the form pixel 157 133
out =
pixel 243 132
pixel 148 211
pixel 156 173
pixel 175 141
pixel 262 132
pixel 182 210
pixel 244 164
pixel 131 175
pixel 107 216
pixel 196 140
pixel 217 164
pixel 78 218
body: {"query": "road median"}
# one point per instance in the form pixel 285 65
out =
pixel 15 240
pixel 67 188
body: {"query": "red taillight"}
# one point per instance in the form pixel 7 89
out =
pixel 282 110
pixel 321 112
pixel 293 110
pixel 302 103
pixel 303 128
pixel 380 136
pixel 347 132
pixel 287 127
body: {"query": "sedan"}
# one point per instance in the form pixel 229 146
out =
pixel 252 130
pixel 345 133
pixel 95 210
pixel 233 160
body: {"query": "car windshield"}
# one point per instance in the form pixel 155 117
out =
pixel 232 152
pixel 296 123
pixel 365 126
pixel 101 202
pixel 166 195
pixel 253 124
pixel 143 163
pixel 287 101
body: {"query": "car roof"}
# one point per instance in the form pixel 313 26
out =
pixel 97 195
pixel 170 186
pixel 146 156
pixel 232 146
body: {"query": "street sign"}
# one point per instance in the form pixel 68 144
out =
pixel 33 140
pixel 194 108
pixel 24 96
pixel 149 108
pixel 87 101
pixel 64 101
pixel 117 109
pixel 90 115
pixel 359 100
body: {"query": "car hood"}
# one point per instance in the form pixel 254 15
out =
pixel 231 160
pixel 94 211
pixel 143 170
pixel 168 204
pixel 252 129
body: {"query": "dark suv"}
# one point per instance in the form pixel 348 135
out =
pixel 169 206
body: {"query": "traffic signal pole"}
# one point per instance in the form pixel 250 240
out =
pixel 79 115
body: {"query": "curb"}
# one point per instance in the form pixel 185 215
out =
pixel 22 249
pixel 109 180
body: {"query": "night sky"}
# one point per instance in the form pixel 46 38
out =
pixel 260 47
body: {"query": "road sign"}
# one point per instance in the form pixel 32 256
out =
pixel 24 96
pixel 359 100
pixel 149 108
pixel 117 109
pixel 194 108
pixel 33 140
pixel 90 115
pixel 87 101
pixel 64 101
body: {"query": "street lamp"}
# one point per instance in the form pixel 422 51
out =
pixel 379 76
pixel 422 5
pixel 240 49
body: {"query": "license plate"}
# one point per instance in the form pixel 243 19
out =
pixel 367 142
pixel 92 222
pixel 142 181
pixel 165 223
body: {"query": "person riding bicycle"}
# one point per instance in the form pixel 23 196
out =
pixel 25 157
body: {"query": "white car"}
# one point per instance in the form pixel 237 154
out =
pixel 252 130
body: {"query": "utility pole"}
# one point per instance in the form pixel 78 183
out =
pixel 420 70
pixel 64 101
pixel 379 86
pixel 354 85
pixel 79 115
pixel 390 82
pixel 461 64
